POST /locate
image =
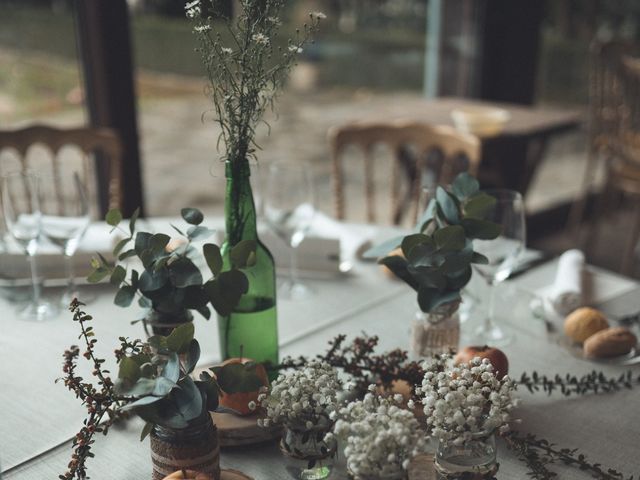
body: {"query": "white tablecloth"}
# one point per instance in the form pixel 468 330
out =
pixel 38 415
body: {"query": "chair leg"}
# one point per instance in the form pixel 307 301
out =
pixel 601 209
pixel 628 260
pixel 576 214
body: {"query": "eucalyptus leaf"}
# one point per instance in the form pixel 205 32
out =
pixel 188 399
pixel 162 386
pixel 120 245
pixel 479 259
pixel 219 302
pixel 196 233
pixel 192 216
pixel 192 356
pixel 233 284
pixel 158 242
pixel 481 229
pixel 171 369
pixel 184 273
pixel 118 275
pixel 429 277
pixel 180 338
pixel 128 370
pixel 148 400
pixel 450 238
pixel 464 185
pixel 124 296
pixel 478 206
pixel 383 248
pixel 448 206
pixel 204 311
pixel 142 387
pixel 150 282
pixel 127 254
pixel 142 242
pixel 399 267
pixel 210 392
pixel 410 241
pixel 113 217
pixel 133 220
pixel 427 216
pixel 213 257
pixel 98 275
pixel 148 427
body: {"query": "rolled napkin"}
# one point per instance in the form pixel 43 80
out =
pixel 566 293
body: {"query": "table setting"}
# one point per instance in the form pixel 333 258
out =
pixel 276 342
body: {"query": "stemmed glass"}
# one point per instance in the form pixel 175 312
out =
pixel 24 222
pixel 288 204
pixel 65 219
pixel 503 253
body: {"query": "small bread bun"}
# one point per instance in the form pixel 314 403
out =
pixel 611 342
pixel 584 322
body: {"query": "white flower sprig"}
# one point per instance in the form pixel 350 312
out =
pixel 465 401
pixel 243 85
pixel 381 437
pixel 304 398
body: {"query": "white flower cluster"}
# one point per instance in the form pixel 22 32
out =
pixel 465 401
pixel 318 15
pixel 381 437
pixel 192 9
pixel 304 398
pixel 260 39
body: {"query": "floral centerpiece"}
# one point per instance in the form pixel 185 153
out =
pixel 436 261
pixel 381 437
pixel 154 382
pixel 247 64
pixel 305 401
pixel 170 284
pixel 464 407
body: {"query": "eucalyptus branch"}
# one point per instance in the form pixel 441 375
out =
pixel 538 453
pixel 594 382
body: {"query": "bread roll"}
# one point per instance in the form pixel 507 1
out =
pixel 584 322
pixel 611 342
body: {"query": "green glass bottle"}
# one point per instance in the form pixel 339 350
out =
pixel 251 331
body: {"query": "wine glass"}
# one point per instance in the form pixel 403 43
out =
pixel 503 253
pixel 288 204
pixel 65 219
pixel 24 222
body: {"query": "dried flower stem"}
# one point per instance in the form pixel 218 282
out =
pixel 594 382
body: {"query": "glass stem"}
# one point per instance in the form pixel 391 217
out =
pixel 488 323
pixel 34 277
pixel 71 279
pixel 293 266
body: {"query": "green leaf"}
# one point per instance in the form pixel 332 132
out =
pixel 423 254
pixel 210 390
pixel 457 261
pixel 133 220
pixel 192 356
pixel 180 338
pixel 98 275
pixel 113 217
pixel 427 216
pixel 450 238
pixel 448 206
pixel 142 387
pixel 233 284
pixel 464 185
pixel 148 400
pixel 192 216
pixel 205 312
pixel 125 296
pixel 184 273
pixel 221 304
pixel 479 259
pixel 129 370
pixel 171 369
pixel 142 242
pixel 162 386
pixel 481 229
pixel 238 377
pixel 478 206
pixel 428 277
pixel 127 254
pixel 187 399
pixel 120 245
pixel 410 241
pixel 153 281
pixel 430 299
pixel 398 266
pixel 148 426
pixel 199 233
pixel 458 280
pixel 383 248
pixel 118 275
pixel 213 257
pixel 241 253
pixel 158 242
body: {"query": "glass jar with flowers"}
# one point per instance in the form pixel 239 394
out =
pixel 381 437
pixel 154 382
pixel 170 285
pixel 436 261
pixel 304 401
pixel 464 406
pixel 247 64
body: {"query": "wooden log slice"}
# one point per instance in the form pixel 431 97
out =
pixel 234 430
pixel 233 475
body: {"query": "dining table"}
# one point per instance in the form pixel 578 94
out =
pixel 39 417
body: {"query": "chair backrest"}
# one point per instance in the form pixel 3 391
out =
pixel 88 140
pixel 417 149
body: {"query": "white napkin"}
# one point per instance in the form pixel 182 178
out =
pixel 566 293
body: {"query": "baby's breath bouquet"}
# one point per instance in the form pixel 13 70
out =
pixel 247 64
pixel 381 437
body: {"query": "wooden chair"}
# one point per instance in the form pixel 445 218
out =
pixel 416 148
pixel 614 138
pixel 88 140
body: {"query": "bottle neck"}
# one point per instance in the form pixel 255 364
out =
pixel 240 210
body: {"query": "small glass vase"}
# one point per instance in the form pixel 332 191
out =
pixel 435 332
pixel 163 323
pixel 399 474
pixel 474 460
pixel 195 448
pixel 308 455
